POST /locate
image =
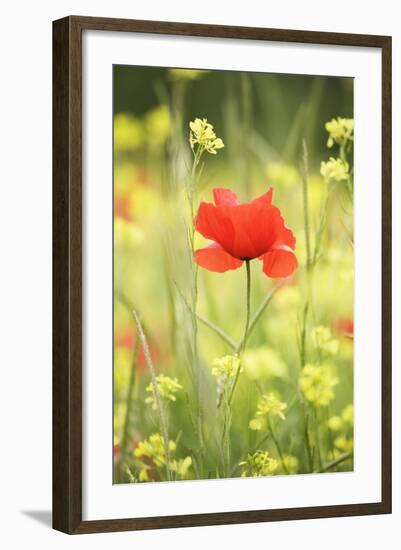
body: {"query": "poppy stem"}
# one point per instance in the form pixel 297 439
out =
pixel 246 331
pixel 248 303
pixel 260 310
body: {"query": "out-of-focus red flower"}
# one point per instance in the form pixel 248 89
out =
pixel 121 207
pixel 125 338
pixel 344 326
pixel 144 178
pixel 117 452
pixel 240 232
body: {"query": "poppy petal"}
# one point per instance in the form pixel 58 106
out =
pixel 213 223
pixel 284 236
pixel 257 226
pixel 244 231
pixel 215 258
pixel 266 198
pixel 280 262
pixel 224 197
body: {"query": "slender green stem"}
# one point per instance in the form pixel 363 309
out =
pixel 159 403
pixel 336 462
pixel 308 303
pixel 277 445
pixel 228 400
pixel 225 448
pixel 317 435
pixel 195 357
pixel 329 434
pixel 248 303
pixel 124 300
pixel 245 337
pixel 259 443
pixel 219 331
pixel 303 335
pixel 259 312
pixel 307 440
pixel 305 195
pixel 129 403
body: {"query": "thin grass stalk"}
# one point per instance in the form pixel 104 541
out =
pixel 305 195
pixel 336 462
pixel 159 403
pixel 190 189
pixel 225 447
pixel 317 436
pixel 308 445
pixel 277 445
pixel 129 403
pixel 309 275
pixel 173 326
pixel 329 434
pixel 220 332
pixel 195 358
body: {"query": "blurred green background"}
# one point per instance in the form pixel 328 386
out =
pixel 281 108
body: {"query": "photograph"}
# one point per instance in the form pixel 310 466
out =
pixel 233 274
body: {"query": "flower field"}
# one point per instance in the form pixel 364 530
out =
pixel 233 274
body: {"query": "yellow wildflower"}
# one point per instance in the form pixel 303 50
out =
pixel 226 366
pixel 344 444
pixel 335 170
pixel 203 134
pixel 154 449
pixel 335 423
pixel 280 173
pixel 348 415
pixel 224 369
pixel 262 363
pixel 143 472
pixel 322 340
pixel 187 74
pixel 291 464
pixel 344 421
pixel 167 388
pixel 340 131
pixel 258 464
pixel 181 467
pixel 268 405
pixel 128 132
pixel 158 125
pixel 317 383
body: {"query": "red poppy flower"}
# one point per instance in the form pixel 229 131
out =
pixel 121 207
pixel 244 232
pixel 344 326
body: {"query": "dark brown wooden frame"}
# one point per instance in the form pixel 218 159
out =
pixel 67 274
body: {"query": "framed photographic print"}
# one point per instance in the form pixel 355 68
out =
pixel 222 274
